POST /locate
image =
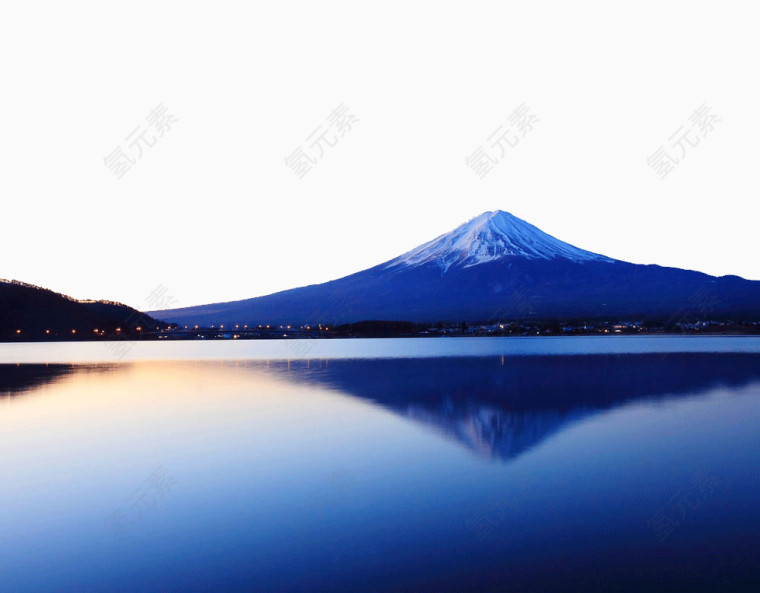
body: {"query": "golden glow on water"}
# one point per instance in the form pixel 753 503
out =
pixel 129 410
pixel 274 461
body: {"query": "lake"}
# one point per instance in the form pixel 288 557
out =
pixel 462 464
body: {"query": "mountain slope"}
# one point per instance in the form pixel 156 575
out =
pixel 495 266
pixel 40 313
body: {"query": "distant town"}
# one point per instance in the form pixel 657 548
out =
pixel 399 329
pixel 442 329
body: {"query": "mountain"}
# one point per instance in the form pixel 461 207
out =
pixel 490 237
pixel 495 266
pixel 29 313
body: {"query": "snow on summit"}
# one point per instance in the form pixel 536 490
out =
pixel 492 236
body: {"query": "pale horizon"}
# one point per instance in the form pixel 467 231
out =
pixel 212 212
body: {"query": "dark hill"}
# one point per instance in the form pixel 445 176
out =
pixel 31 313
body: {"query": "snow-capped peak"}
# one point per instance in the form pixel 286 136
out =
pixel 492 236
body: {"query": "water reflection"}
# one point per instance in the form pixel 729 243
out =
pixel 333 475
pixel 502 406
pixel 25 379
pixel 22 378
pixel 497 407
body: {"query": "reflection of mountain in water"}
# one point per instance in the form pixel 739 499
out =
pixel 18 379
pixel 501 407
pixel 490 431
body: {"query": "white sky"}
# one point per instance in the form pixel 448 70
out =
pixel 428 82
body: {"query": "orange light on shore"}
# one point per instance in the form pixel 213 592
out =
pixel 95 330
pixel 47 331
pixel 138 328
pixel 118 329
pixel 73 331
pixel 18 331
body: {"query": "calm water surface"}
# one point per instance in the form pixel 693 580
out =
pixel 571 464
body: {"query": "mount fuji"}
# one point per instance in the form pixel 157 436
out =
pixel 496 266
pixel 489 237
